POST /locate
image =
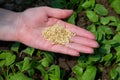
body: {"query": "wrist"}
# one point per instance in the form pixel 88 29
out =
pixel 8 25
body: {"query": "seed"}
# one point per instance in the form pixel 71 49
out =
pixel 57 34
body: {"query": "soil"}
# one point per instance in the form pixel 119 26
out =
pixel 64 61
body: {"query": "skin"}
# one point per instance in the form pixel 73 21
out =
pixel 26 27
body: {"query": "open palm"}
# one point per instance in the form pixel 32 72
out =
pixel 34 20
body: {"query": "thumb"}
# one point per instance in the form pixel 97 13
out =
pixel 58 13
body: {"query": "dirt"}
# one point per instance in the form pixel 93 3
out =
pixel 64 61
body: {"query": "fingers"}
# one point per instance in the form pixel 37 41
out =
pixel 84 41
pixel 58 13
pixel 77 30
pixel 64 50
pixel 80 48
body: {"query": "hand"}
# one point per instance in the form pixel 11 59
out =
pixel 32 21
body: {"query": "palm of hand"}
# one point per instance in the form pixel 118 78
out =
pixel 30 33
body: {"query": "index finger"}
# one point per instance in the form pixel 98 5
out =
pixel 77 30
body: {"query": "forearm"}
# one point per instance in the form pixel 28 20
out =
pixel 7 25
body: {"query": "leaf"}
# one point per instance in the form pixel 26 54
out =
pixel 112 18
pixel 89 73
pixel 41 69
pixel 92 3
pixel 7 58
pixel 10 59
pixel 92 16
pixel 72 18
pixel 117 54
pixel 19 65
pixel 105 49
pixel 47 60
pixel 26 64
pixel 113 74
pixel 101 10
pixel 54 72
pixel 93 58
pixel 29 51
pixel 1 78
pixel 58 3
pixel 86 4
pixel 19 76
pixel 117 37
pixel 109 42
pixel 104 20
pixel 15 47
pixel 92 28
pixel 71 78
pixel 78 71
pixel 2 62
pixel 105 29
pixel 108 57
pixel 118 27
pixel 116 6
pixel 118 70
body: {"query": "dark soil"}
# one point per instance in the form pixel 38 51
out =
pixel 64 61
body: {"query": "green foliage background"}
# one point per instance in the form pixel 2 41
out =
pixel 107 31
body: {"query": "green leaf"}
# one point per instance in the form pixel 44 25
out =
pixel 7 58
pixel 118 70
pixel 10 59
pixel 58 3
pixel 113 74
pixel 101 10
pixel 107 57
pixel 118 27
pixel 26 64
pixel 19 65
pixel 116 6
pixel 105 29
pixel 92 28
pixel 72 18
pixel 71 78
pixel 105 49
pixel 86 4
pixel 92 16
pixel 89 73
pixel 93 58
pixel 19 76
pixel 117 53
pixel 109 42
pixel 117 37
pixel 112 18
pixel 104 20
pixel 47 60
pixel 54 72
pixel 2 62
pixel 15 47
pixel 42 70
pixel 1 78
pixel 78 71
pixel 29 51
pixel 92 3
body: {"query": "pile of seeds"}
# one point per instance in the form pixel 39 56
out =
pixel 57 34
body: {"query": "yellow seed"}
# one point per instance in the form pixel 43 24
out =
pixel 57 34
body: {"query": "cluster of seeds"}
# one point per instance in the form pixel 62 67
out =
pixel 57 34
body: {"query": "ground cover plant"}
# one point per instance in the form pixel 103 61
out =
pixel 101 17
